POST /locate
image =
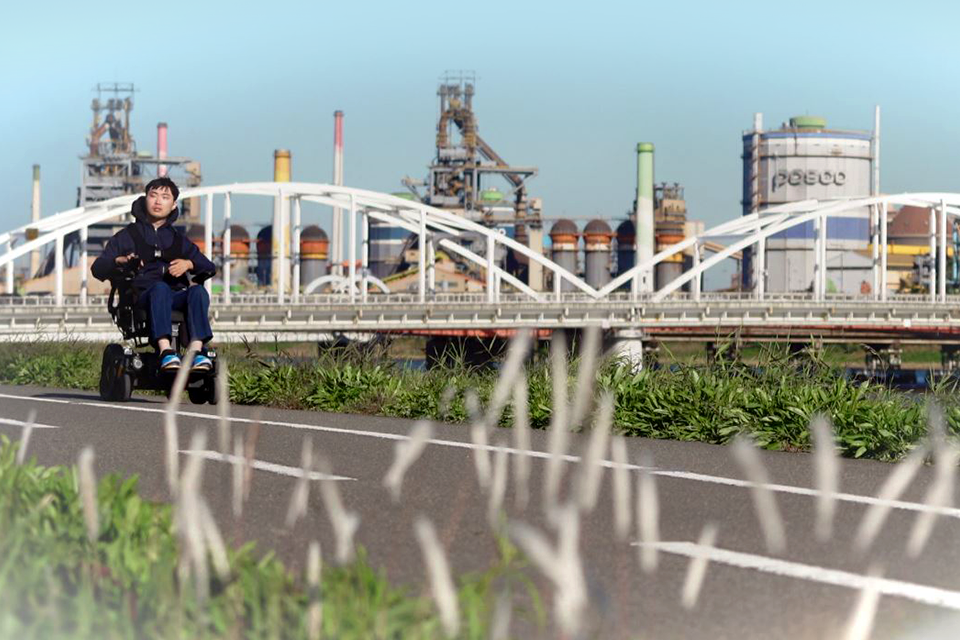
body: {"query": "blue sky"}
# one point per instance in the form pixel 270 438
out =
pixel 568 87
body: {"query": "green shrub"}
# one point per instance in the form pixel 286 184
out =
pixel 339 387
pixel 773 402
pixel 277 385
pixel 70 365
pixel 775 406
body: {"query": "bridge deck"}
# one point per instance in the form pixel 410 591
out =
pixel 907 319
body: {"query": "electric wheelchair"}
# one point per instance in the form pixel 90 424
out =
pixel 125 368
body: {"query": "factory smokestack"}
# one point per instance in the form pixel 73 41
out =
pixel 644 222
pixel 281 222
pixel 35 218
pixel 336 235
pixel 281 165
pixel 162 147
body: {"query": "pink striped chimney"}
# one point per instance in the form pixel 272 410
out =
pixel 336 236
pixel 162 147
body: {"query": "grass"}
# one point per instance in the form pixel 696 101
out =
pixel 56 583
pixel 773 402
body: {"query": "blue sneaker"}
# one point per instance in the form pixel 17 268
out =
pixel 169 360
pixel 201 363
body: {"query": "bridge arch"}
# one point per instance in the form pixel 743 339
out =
pixel 440 228
pixel 429 223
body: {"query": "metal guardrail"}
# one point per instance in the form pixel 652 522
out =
pixel 912 317
pixel 375 299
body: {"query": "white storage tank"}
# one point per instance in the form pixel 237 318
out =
pixel 804 159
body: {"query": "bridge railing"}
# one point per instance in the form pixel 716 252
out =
pixel 412 300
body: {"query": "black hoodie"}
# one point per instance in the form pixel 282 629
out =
pixel 122 244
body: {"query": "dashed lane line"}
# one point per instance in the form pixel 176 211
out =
pixel 22 423
pixel 261 465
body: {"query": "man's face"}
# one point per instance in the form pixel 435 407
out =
pixel 160 202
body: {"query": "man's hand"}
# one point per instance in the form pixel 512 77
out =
pixel 180 267
pixel 122 260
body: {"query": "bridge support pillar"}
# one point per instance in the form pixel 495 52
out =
pixel 728 351
pixel 807 351
pixel 884 356
pixel 629 346
pixel 950 358
pixel 470 351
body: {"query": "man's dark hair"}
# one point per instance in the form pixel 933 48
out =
pixel 161 183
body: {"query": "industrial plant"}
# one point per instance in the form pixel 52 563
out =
pixel 803 159
pixel 111 166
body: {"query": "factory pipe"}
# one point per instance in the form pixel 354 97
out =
pixel 35 218
pixel 336 225
pixel 280 233
pixel 644 222
pixel 161 147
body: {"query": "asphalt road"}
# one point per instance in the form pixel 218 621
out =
pixel 807 591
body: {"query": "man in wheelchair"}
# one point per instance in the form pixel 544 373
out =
pixel 150 265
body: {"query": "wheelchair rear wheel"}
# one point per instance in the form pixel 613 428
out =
pixel 116 383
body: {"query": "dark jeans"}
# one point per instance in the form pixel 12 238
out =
pixel 159 300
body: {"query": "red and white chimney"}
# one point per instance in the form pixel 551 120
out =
pixel 336 235
pixel 162 147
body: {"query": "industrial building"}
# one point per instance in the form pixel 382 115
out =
pixel 114 166
pixel 111 166
pixel 909 256
pixel 466 177
pixel 805 159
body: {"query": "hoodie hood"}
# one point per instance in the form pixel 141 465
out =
pixel 139 212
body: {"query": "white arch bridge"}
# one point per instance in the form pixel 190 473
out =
pixel 358 302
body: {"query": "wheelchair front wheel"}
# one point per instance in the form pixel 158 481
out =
pixel 116 383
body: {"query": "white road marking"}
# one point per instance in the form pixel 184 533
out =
pixel 22 423
pixel 261 465
pixel 923 594
pixel 951 512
